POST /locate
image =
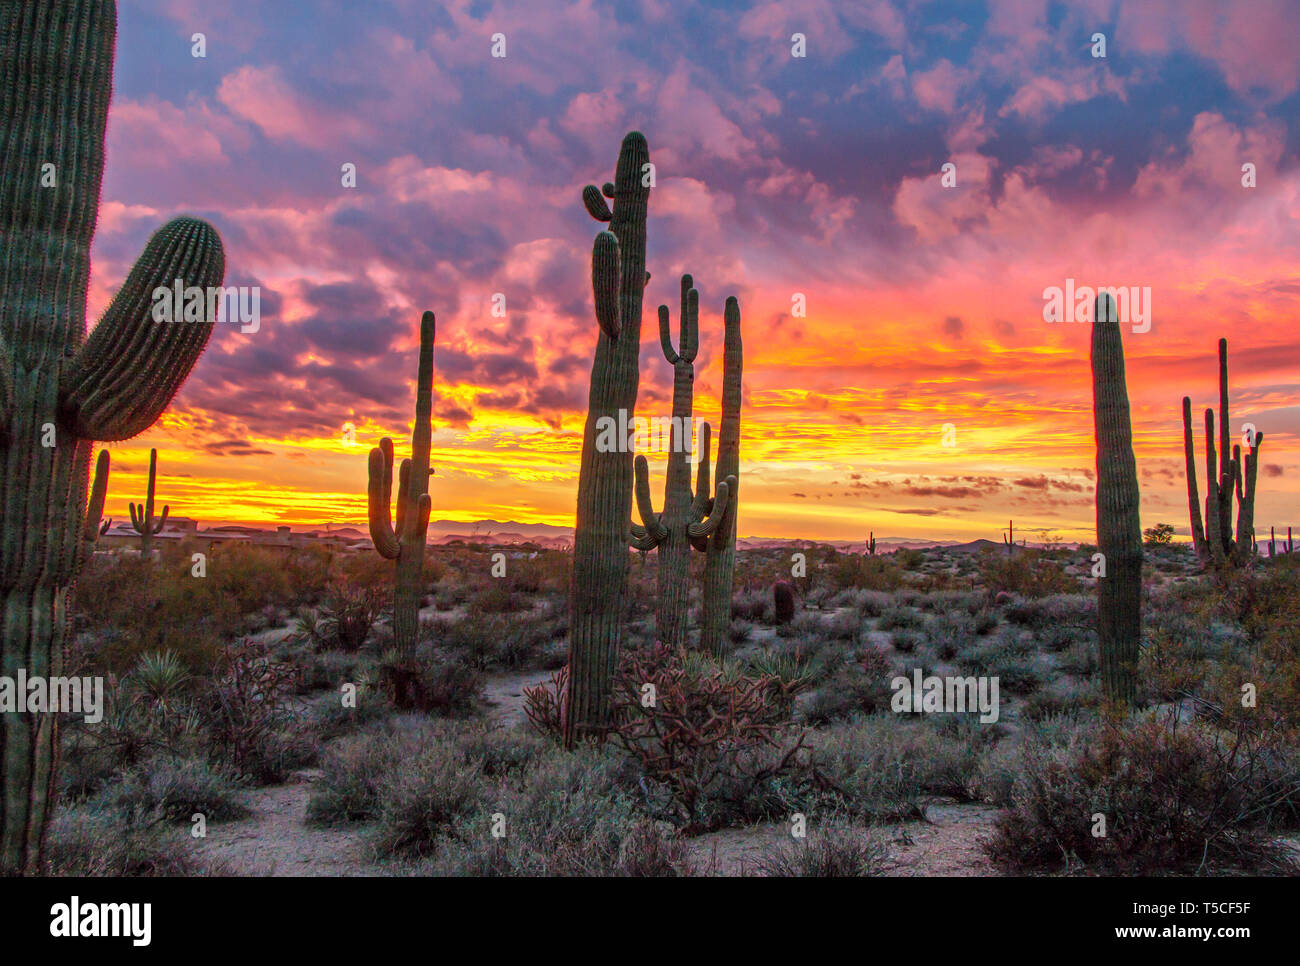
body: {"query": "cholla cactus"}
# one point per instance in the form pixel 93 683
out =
pixel 143 521
pixel 1119 527
pixel 602 530
pixel 1213 539
pixel 720 559
pixel 60 390
pixel 405 544
pixel 688 518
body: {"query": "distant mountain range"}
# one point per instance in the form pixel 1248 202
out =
pixel 556 537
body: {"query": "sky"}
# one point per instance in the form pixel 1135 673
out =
pixel 920 392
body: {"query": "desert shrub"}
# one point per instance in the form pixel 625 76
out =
pixel 836 850
pixel 901 618
pixel 544 705
pixel 435 682
pixel 575 814
pixel 738 632
pixel 348 614
pixel 109 843
pixel 1177 797
pixel 906 641
pixel 352 770
pixel 1028 572
pixel 175 789
pixel 428 799
pixel 882 767
pixel 328 717
pixel 246 714
pixel 712 736
pixel 751 605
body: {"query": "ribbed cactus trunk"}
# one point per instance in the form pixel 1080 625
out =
pixel 143 520
pixel 59 390
pixel 1193 498
pixel 720 555
pixel 405 543
pixel 688 518
pixel 603 522
pixel 1119 526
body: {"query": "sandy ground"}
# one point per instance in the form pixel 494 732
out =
pixel 276 841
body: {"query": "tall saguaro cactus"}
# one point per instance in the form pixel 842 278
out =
pixel 1119 526
pixel 602 529
pixel 688 518
pixel 1235 474
pixel 143 521
pixel 59 389
pixel 720 553
pixel 405 543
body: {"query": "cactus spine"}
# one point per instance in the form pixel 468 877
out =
pixel 688 518
pixel 602 530
pixel 59 389
pixel 405 544
pixel 1235 473
pixel 720 553
pixel 143 521
pixel 1119 526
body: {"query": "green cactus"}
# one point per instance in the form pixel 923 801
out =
pixel 602 531
pixel 688 518
pixel 405 545
pixel 720 553
pixel 1214 543
pixel 59 389
pixel 1119 526
pixel 143 521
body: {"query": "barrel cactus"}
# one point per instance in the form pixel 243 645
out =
pixel 1119 527
pixel 602 530
pixel 405 543
pixel 720 552
pixel 59 389
pixel 142 520
pixel 688 518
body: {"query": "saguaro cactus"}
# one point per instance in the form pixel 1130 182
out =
pixel 688 518
pixel 871 544
pixel 602 530
pixel 1119 526
pixel 59 389
pixel 1235 474
pixel 143 521
pixel 405 544
pixel 720 553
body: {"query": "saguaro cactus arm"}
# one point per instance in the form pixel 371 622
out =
pixel 595 204
pixel 605 279
pixel 651 525
pixel 689 326
pixel 702 529
pixel 378 501
pixel 703 502
pixel 91 531
pixel 1193 497
pixel 134 361
pixel 379 496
